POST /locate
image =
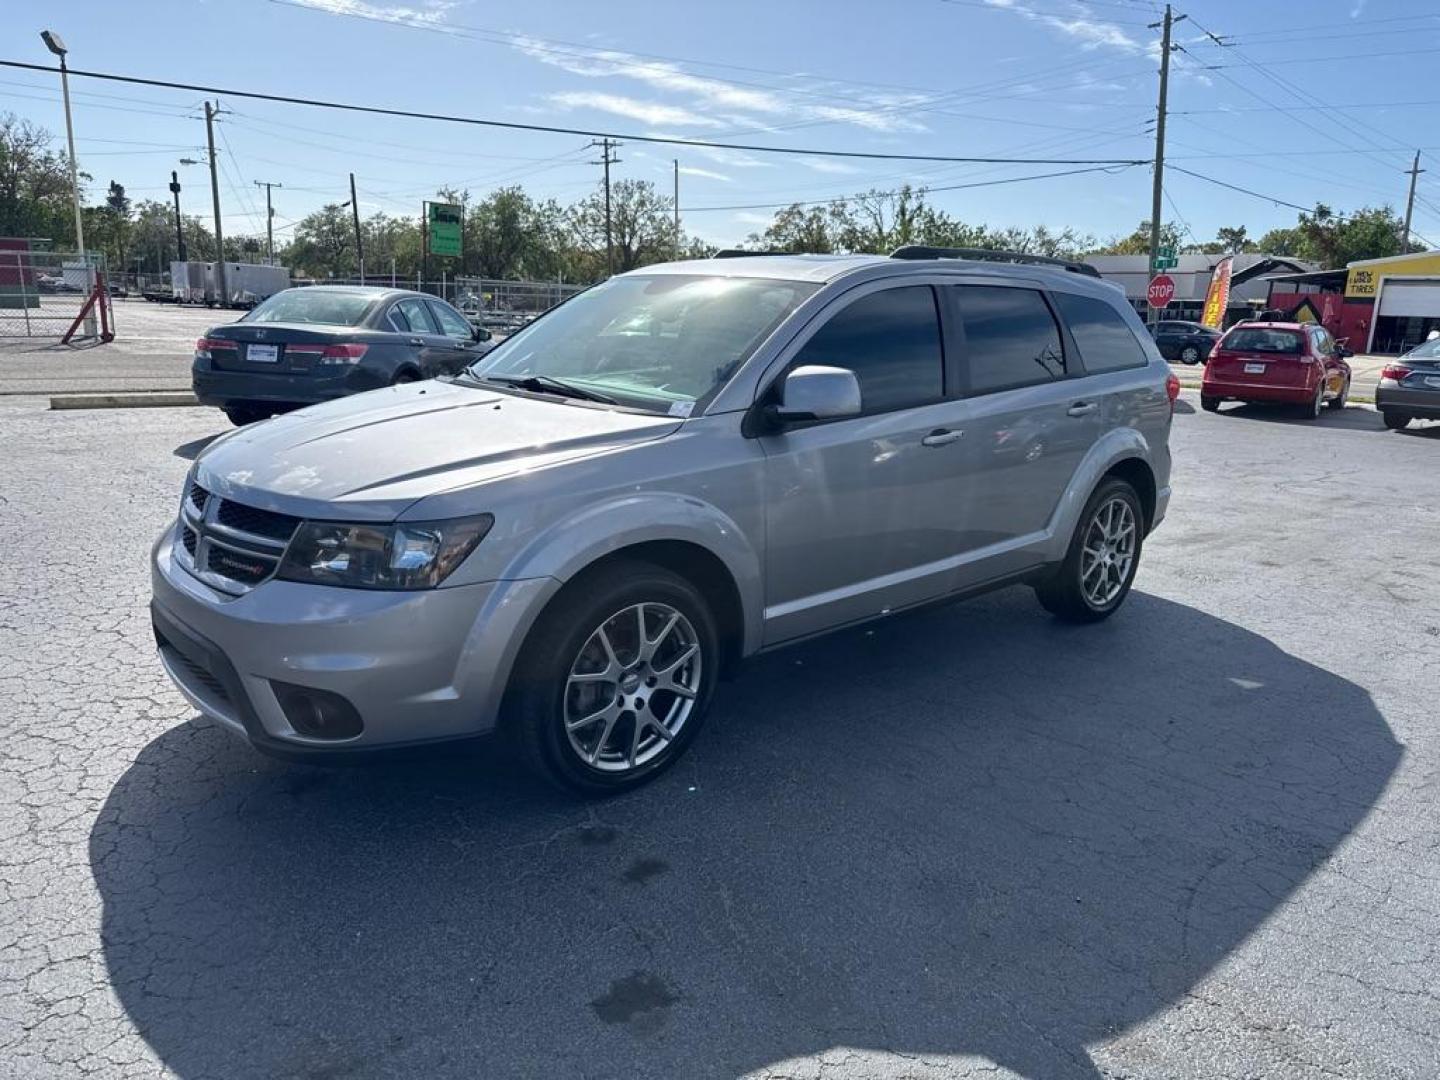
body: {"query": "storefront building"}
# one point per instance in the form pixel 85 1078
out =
pixel 1385 306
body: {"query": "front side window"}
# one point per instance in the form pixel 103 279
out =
pixel 1104 338
pixel 660 342
pixel 314 306
pixel 1010 338
pixel 891 341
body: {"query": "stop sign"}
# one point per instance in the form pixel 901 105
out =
pixel 1161 290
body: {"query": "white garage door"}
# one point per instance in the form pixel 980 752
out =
pixel 1412 299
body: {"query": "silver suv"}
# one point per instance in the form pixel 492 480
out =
pixel 571 541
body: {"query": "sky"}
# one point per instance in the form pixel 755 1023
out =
pixel 1325 101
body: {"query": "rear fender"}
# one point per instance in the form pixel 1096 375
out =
pixel 1113 447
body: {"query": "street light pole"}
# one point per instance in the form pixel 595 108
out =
pixel 57 46
pixel 179 222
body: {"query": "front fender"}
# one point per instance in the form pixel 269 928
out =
pixel 1114 446
pixel 573 543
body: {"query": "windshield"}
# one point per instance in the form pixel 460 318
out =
pixel 663 343
pixel 312 306
pixel 1262 339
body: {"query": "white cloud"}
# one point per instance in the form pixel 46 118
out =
pixel 721 101
pixel 747 217
pixel 709 174
pixel 824 165
pixel 430 13
pixel 1090 32
pixel 649 112
pixel 735 159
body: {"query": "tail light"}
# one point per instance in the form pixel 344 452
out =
pixel 204 346
pixel 330 355
pixel 1394 371
pixel 1172 387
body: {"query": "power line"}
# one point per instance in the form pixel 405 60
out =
pixel 557 130
pixel 926 189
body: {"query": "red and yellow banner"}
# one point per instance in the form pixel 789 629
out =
pixel 1218 298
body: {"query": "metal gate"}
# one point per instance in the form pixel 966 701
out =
pixel 56 295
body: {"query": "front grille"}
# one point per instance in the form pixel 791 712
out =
pixel 195 674
pixel 229 545
pixel 260 522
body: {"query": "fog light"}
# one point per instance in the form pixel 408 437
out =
pixel 318 714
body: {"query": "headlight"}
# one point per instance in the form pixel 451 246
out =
pixel 412 555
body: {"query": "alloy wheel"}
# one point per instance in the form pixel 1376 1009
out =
pixel 1108 552
pixel 632 687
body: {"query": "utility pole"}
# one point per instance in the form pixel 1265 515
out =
pixel 54 43
pixel 676 163
pixel 210 114
pixel 1157 194
pixel 359 243
pixel 179 222
pixel 607 158
pixel 269 218
pixel 1414 171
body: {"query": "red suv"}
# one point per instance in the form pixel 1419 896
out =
pixel 1296 363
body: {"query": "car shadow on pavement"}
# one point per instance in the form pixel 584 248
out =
pixel 1352 418
pixel 968 831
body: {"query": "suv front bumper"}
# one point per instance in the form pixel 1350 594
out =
pixel 419 667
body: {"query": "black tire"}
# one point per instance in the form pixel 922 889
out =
pixel 1209 404
pixel 1062 593
pixel 404 375
pixel 1340 402
pixel 240 415
pixel 538 695
pixel 1313 410
pixel 1190 354
pixel 1395 421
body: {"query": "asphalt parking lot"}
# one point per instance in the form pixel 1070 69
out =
pixel 1199 840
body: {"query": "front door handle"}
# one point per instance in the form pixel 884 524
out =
pixel 1082 408
pixel 416 341
pixel 941 437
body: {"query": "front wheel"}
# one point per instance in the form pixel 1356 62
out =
pixel 614 680
pixel 1343 398
pixel 1101 561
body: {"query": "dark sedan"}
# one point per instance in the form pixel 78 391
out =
pixel 1186 342
pixel 1409 389
pixel 307 345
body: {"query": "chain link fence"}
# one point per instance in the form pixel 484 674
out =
pixel 43 294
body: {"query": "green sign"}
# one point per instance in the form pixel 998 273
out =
pixel 444 226
pixel 1164 259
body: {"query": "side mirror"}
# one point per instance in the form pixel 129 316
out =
pixel 1343 351
pixel 815 392
pixel 481 334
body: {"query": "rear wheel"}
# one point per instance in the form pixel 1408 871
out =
pixel 1209 404
pixel 405 375
pixel 240 415
pixel 1340 401
pixel 1103 556
pixel 615 680
pixel 1395 421
pixel 1317 403
pixel 1190 354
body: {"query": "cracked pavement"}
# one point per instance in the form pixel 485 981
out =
pixel 1199 840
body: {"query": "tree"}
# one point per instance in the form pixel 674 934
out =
pixel 324 244
pixel 800 228
pixel 1284 242
pixel 1333 240
pixel 509 235
pixel 152 236
pixel 35 192
pixel 1138 242
pixel 1233 241
pixel 642 227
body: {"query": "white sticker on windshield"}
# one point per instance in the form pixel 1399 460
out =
pixel 681 408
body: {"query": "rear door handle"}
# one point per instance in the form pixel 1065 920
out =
pixel 1082 408
pixel 941 437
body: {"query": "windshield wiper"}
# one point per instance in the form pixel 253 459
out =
pixel 550 384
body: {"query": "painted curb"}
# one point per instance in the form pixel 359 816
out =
pixel 139 400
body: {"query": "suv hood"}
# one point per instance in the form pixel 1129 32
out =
pixel 377 453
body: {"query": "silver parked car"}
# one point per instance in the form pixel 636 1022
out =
pixel 571 541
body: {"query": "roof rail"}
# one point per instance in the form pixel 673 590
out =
pixel 741 253
pixel 921 251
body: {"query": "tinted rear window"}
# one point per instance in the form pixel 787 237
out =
pixel 1105 340
pixel 1263 339
pixel 311 306
pixel 1010 338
